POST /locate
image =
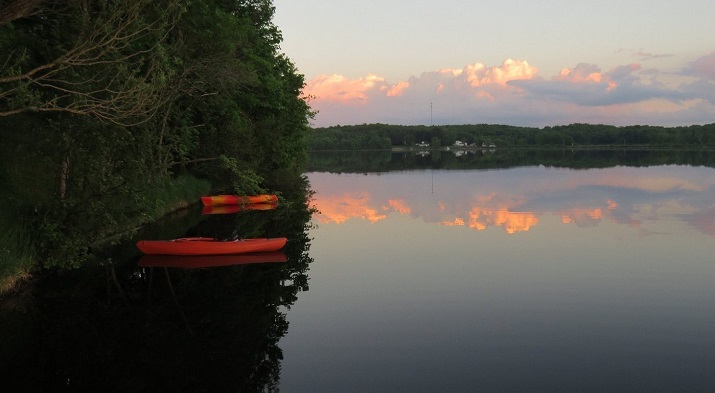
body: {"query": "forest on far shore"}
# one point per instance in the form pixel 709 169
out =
pixel 386 136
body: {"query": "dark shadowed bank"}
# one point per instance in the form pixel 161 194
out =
pixel 115 325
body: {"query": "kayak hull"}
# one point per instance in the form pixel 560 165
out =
pixel 238 199
pixel 209 246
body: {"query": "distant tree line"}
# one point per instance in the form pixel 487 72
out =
pixel 103 100
pixel 384 136
pixel 364 161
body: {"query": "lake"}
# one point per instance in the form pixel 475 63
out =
pixel 519 279
pixel 439 272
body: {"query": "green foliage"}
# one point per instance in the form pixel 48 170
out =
pixel 351 138
pixel 246 182
pixel 104 103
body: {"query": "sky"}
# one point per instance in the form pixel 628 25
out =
pixel 521 62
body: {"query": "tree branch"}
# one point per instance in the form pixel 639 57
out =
pixel 120 86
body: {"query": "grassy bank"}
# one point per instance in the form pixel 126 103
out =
pixel 18 259
pixel 16 256
pixel 173 195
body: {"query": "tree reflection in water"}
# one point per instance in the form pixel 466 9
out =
pixel 118 327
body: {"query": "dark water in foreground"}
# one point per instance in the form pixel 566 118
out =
pixel 123 324
pixel 522 278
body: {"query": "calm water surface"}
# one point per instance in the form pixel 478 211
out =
pixel 521 279
pixel 524 279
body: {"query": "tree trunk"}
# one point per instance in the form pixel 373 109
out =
pixel 64 175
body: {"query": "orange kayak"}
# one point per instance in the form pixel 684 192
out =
pixel 227 209
pixel 203 261
pixel 238 199
pixel 209 246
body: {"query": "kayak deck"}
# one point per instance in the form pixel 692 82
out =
pixel 209 246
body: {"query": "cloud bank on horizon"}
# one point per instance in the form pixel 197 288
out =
pixel 515 93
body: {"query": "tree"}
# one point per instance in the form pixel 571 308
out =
pixel 118 96
pixel 102 59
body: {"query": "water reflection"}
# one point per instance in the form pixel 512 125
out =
pixel 507 278
pixel 131 323
pixel 516 200
pixel 205 261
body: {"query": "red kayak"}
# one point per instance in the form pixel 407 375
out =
pixel 209 246
pixel 238 199
pixel 203 261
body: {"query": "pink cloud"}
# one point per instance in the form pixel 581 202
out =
pixel 514 93
pixel 398 89
pixel 582 73
pixel 341 89
pixel 591 73
pixel 338 88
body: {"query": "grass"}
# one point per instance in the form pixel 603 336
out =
pixel 17 256
pixel 157 202
pixel 175 194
